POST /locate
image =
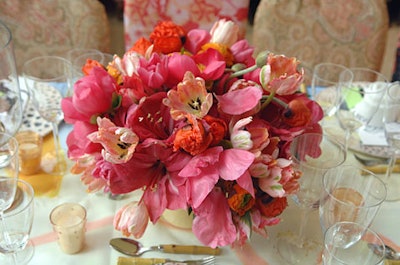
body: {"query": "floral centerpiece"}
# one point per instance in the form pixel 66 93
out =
pixel 197 123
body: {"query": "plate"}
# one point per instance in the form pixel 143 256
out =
pixel 31 120
pixel 355 143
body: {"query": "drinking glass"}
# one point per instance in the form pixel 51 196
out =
pixel 312 155
pixel 341 249
pixel 359 105
pixel 48 79
pixel 16 228
pixel 8 170
pixel 10 95
pixel 352 194
pixel 391 121
pixel 326 81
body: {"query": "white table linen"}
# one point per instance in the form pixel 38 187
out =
pixel 100 210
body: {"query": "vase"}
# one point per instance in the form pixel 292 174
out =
pixel 179 219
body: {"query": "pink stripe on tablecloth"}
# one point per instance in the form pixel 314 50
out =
pixel 52 236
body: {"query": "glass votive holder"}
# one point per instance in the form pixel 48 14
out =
pixel 69 222
pixel 29 151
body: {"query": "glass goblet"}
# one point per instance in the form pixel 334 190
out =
pixel 391 121
pixel 312 155
pixel 340 248
pixel 360 102
pixel 350 194
pixel 10 95
pixel 8 171
pixel 48 79
pixel 326 81
pixel 16 228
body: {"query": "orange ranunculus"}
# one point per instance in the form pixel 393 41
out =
pixel 218 129
pixel 222 49
pixel 273 207
pixel 192 138
pixel 140 46
pixel 89 66
pixel 241 200
pixel 297 114
pixel 167 37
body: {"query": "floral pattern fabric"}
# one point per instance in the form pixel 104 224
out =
pixel 352 33
pixel 55 27
pixel 140 16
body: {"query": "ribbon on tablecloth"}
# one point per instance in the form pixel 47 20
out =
pixel 247 255
pixel 52 236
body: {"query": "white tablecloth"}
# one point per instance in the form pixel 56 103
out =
pixel 100 210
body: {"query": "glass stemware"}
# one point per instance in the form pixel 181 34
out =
pixel 15 232
pixel 48 79
pixel 350 194
pixel 391 121
pixel 326 81
pixel 359 105
pixel 340 249
pixel 8 171
pixel 10 95
pixel 312 155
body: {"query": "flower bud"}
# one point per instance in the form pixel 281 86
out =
pixel 262 58
pixel 238 67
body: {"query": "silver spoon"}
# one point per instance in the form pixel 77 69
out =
pixel 390 253
pixel 132 247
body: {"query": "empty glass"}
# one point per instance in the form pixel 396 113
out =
pixel 10 95
pixel 341 249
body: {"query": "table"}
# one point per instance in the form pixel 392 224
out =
pixel 100 211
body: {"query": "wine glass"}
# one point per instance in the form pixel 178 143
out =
pixel 312 155
pixel 352 194
pixel 16 228
pixel 340 248
pixel 8 170
pixel 359 104
pixel 10 95
pixel 325 84
pixel 391 120
pixel 48 79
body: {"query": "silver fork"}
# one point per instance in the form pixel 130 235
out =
pixel 205 261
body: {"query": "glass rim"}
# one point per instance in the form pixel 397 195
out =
pixel 29 202
pixel 323 136
pixel 8 41
pixel 65 62
pixel 325 178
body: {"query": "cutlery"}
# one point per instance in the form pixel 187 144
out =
pixel 376 165
pixel 161 261
pixel 390 253
pixel 134 248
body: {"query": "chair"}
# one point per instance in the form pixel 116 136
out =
pixel 140 17
pixel 348 32
pixel 52 27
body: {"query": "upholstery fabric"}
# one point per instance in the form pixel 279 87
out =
pixel 348 32
pixel 140 16
pixel 52 27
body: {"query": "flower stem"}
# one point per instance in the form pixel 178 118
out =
pixel 244 71
pixel 268 100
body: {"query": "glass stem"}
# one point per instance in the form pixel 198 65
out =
pixel 392 163
pixel 305 213
pixel 56 139
pixel 347 139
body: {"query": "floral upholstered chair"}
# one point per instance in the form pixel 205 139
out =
pixel 140 17
pixel 53 27
pixel 348 32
